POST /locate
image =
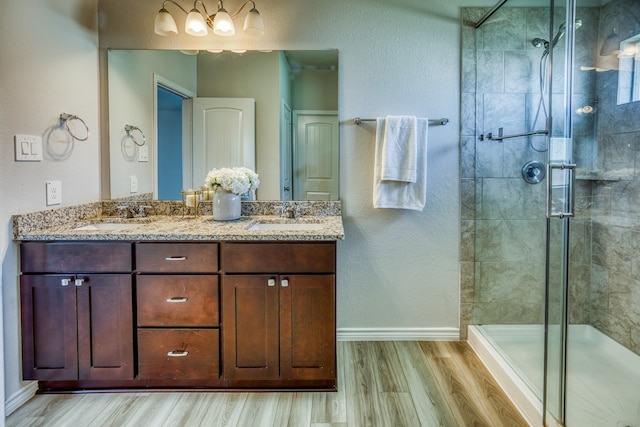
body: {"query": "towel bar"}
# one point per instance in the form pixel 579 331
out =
pixel 440 122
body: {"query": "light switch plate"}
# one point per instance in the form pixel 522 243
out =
pixel 28 148
pixel 54 192
pixel 143 154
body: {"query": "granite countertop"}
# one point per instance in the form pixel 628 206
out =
pixel 167 222
pixel 164 227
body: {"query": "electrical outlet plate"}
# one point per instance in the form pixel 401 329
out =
pixel 54 192
pixel 133 184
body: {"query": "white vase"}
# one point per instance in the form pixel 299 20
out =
pixel 226 205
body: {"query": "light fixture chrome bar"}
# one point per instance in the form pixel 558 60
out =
pixel 491 11
pixel 440 122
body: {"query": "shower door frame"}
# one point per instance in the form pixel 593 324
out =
pixel 556 311
pixel 566 165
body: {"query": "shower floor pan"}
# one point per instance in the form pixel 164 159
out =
pixel 602 381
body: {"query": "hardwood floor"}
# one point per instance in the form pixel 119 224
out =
pixel 387 384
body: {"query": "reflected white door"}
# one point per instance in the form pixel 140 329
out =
pixel 316 155
pixel 223 135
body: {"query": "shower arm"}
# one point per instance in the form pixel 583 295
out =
pixel 500 137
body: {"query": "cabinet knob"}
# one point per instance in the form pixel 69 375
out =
pixel 177 299
pixel 285 283
pixel 65 282
pixel 271 282
pixel 79 282
pixel 178 353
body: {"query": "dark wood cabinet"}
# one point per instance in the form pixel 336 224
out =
pixel 135 315
pixel 76 327
pixel 178 313
pixel 279 325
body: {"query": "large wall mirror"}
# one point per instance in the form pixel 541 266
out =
pixel 155 147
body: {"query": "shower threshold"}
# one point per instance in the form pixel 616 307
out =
pixel 602 377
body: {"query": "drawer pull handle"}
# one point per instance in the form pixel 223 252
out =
pixel 285 283
pixel 176 258
pixel 271 282
pixel 177 299
pixel 177 353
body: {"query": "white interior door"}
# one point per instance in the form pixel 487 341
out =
pixel 316 155
pixel 223 135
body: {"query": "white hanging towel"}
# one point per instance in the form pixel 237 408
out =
pixel 401 194
pixel 399 160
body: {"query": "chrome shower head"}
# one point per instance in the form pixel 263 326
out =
pixel 562 29
pixel 538 42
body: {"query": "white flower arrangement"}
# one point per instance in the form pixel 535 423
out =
pixel 237 180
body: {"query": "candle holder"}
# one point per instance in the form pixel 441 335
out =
pixel 206 194
pixel 191 202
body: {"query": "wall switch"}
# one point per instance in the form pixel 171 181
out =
pixel 143 154
pixel 28 148
pixel 54 192
pixel 133 184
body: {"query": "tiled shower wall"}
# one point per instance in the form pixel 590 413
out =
pixel 503 256
pixel 503 225
pixel 615 277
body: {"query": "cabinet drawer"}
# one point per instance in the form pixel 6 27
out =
pixel 276 257
pixel 75 257
pixel 178 353
pixel 177 300
pixel 177 257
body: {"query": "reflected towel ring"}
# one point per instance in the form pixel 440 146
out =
pixel 66 118
pixel 130 129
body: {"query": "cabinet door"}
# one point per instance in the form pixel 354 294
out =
pixel 250 327
pixel 307 327
pixel 49 325
pixel 105 327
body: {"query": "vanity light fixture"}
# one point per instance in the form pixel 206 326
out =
pixel 199 21
pixel 611 45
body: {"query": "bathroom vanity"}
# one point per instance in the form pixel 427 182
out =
pixel 180 303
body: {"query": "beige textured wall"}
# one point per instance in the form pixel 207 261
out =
pixel 46 70
pixel 396 269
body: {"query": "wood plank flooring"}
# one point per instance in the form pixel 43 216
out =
pixel 387 384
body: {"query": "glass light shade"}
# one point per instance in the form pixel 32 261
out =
pixel 611 45
pixel 222 24
pixel 253 24
pixel 195 24
pixel 164 24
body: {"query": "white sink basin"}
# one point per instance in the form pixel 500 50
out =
pixel 278 226
pixel 107 226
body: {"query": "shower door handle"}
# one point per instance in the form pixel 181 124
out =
pixel 569 199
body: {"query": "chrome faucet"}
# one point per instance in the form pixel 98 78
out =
pixel 132 211
pixel 289 213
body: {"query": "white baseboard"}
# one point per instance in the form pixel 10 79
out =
pixel 398 334
pixel 20 397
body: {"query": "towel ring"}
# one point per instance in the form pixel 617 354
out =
pixel 66 118
pixel 130 129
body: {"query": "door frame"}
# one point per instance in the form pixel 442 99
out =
pixel 159 81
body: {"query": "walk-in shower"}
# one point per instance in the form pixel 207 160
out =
pixel 550 279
